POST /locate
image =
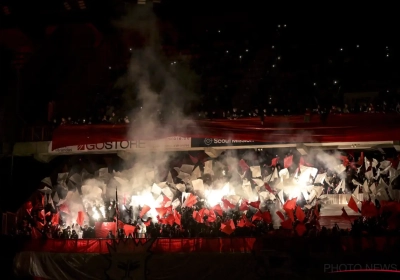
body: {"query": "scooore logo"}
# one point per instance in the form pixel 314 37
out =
pixel 209 141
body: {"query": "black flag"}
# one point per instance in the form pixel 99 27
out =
pixel 117 210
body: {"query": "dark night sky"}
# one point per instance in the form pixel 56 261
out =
pixel 309 46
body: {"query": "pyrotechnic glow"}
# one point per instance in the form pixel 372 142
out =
pixel 102 210
pixel 213 197
pixel 145 198
pixel 96 214
pixel 294 193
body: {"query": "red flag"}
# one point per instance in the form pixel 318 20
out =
pixel 304 163
pixel 255 204
pixel 274 162
pixel 28 206
pixel 55 218
pixel 170 219
pixel 148 222
pixel 353 205
pixel 177 217
pixel 368 209
pixel 243 165
pixel 217 208
pixel 247 222
pixel 300 214
pixel 81 218
pixel 290 204
pixel 345 160
pixel 190 201
pixel 289 207
pixel 268 188
pixel 41 214
pixel 144 210
pixel 120 224
pixel 390 206
pixel 194 159
pixel 129 229
pixel 361 159
pixel 211 216
pixel 232 224
pixel 279 213
pixel 344 214
pixel 288 161
pixel 257 216
pixel 197 217
pixel 203 212
pixel 243 205
pixel 165 200
pixel 241 223
pixel 228 227
pixel 267 217
pixel 64 208
pixel 39 225
pixel 301 229
pixel 287 224
pixel 162 211
pixel 290 214
pixel 227 204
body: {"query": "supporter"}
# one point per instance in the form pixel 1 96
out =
pixel 110 235
pixel 74 235
pixel 244 218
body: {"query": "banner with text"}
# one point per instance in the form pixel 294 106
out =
pixel 218 142
pixel 170 143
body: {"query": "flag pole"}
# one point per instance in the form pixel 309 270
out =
pixel 117 210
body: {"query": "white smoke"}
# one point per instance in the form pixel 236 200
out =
pixel 92 199
pixel 152 83
pixel 155 88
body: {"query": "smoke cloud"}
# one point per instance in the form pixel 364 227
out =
pixel 157 88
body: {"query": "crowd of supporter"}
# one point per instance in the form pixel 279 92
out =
pixel 111 115
pixel 366 226
pixel 376 182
